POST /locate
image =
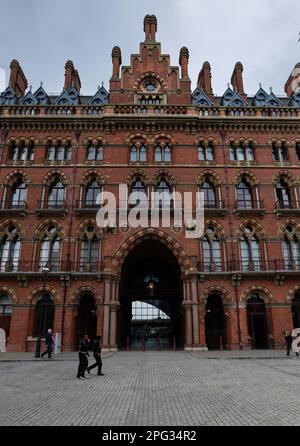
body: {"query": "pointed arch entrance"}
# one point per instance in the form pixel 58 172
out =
pixel 86 318
pixel 150 293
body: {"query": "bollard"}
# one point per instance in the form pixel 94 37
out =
pixel 38 347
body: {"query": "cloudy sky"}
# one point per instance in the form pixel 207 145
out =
pixel 44 34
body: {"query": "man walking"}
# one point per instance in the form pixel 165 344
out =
pixel 97 356
pixel 49 343
pixel 289 341
pixel 83 354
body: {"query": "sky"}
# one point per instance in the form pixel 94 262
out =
pixel 44 34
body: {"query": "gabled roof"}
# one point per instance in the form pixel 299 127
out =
pixel 41 96
pixel 100 97
pixel 8 97
pixel 272 101
pixel 74 95
pixel 63 99
pixel 28 99
pixel 232 99
pixel 260 98
pixel 200 98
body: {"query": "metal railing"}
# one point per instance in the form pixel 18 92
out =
pixel 51 204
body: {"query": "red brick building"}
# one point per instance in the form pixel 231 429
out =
pixel 238 285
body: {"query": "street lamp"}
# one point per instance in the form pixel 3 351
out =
pixel 45 271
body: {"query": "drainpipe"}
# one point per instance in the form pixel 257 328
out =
pixel 231 234
pixel 68 263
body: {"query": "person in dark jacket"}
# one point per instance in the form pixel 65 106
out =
pixel 289 340
pixel 49 343
pixel 83 356
pixel 97 356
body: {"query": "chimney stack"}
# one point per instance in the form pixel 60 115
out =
pixel 71 77
pixel 293 83
pixel 17 79
pixel 237 79
pixel 116 61
pixel 183 62
pixel 150 27
pixel 204 79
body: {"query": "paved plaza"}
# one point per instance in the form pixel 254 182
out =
pixel 153 388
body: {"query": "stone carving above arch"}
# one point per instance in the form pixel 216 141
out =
pixel 76 296
pixel 287 176
pixel 138 137
pixel 220 232
pixel 55 173
pixel 289 222
pixel 264 293
pixel 145 234
pixel 163 138
pixel 19 141
pixel 213 176
pixel 214 289
pixel 164 173
pixel 92 173
pixel 12 222
pixel 15 174
pixel 150 74
pixel 250 177
pixel 96 141
pixel 42 227
pixel 137 173
pixel 37 292
pixel 206 141
pixel 10 293
pixel 258 228
pixel 291 293
pixel 59 141
pixel 80 231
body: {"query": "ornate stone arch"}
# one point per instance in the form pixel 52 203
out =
pixel 80 231
pixel 212 175
pixel 10 292
pixel 164 172
pixel 214 289
pixel 291 293
pixel 77 294
pixel 36 293
pixel 59 140
pixel 87 176
pixel 219 228
pixel 137 136
pixel 251 178
pixel 263 292
pixel 41 227
pixel 165 137
pixel 12 176
pixel 94 141
pixel 288 176
pixel 10 221
pixel 259 229
pixel 289 222
pixel 153 75
pixel 55 173
pixel 137 173
pixel 150 233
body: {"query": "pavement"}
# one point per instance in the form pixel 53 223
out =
pixel 154 389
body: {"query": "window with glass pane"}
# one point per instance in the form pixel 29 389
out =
pixel 56 194
pixel 51 153
pixel 298 151
pixel 164 190
pixel 232 154
pixel 91 153
pixel 138 195
pixel 240 153
pixel 99 153
pixel 245 253
pixel 5 305
pixel 133 154
pixel 283 194
pixel 93 194
pixel 209 195
pixel 210 153
pixel 19 194
pixel 167 154
pixel 250 153
pixel 158 154
pixel 143 153
pixel 10 250
pixel 244 195
pixel 201 152
pixel 255 254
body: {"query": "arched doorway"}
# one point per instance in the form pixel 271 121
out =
pixel 215 329
pixel 5 313
pixel 296 310
pixel 257 322
pixel 86 318
pixel 150 298
pixel 44 315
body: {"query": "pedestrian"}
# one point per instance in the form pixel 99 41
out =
pixel 49 343
pixel 83 356
pixel 97 355
pixel 289 341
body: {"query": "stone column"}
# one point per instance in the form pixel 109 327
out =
pixel 187 306
pixel 195 311
pixel 202 327
pixel 114 306
pixel 107 293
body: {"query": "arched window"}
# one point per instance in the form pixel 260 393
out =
pixel 89 250
pixel 21 152
pixel 291 249
pixel 10 249
pixel 211 251
pixel 250 250
pixel 18 194
pixel 44 315
pixel 138 154
pixel 296 310
pixel 137 193
pixel 164 191
pixel 210 197
pixel 241 152
pixel 59 152
pixel 163 154
pixel 56 196
pixel 93 192
pixel 94 153
pixel 257 322
pixel 283 194
pixel 279 152
pixel 205 152
pixel 50 250
pixel 6 310
pixel 244 195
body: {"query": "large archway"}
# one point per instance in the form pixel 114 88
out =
pixel 257 322
pixel 86 318
pixel 215 326
pixel 150 313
